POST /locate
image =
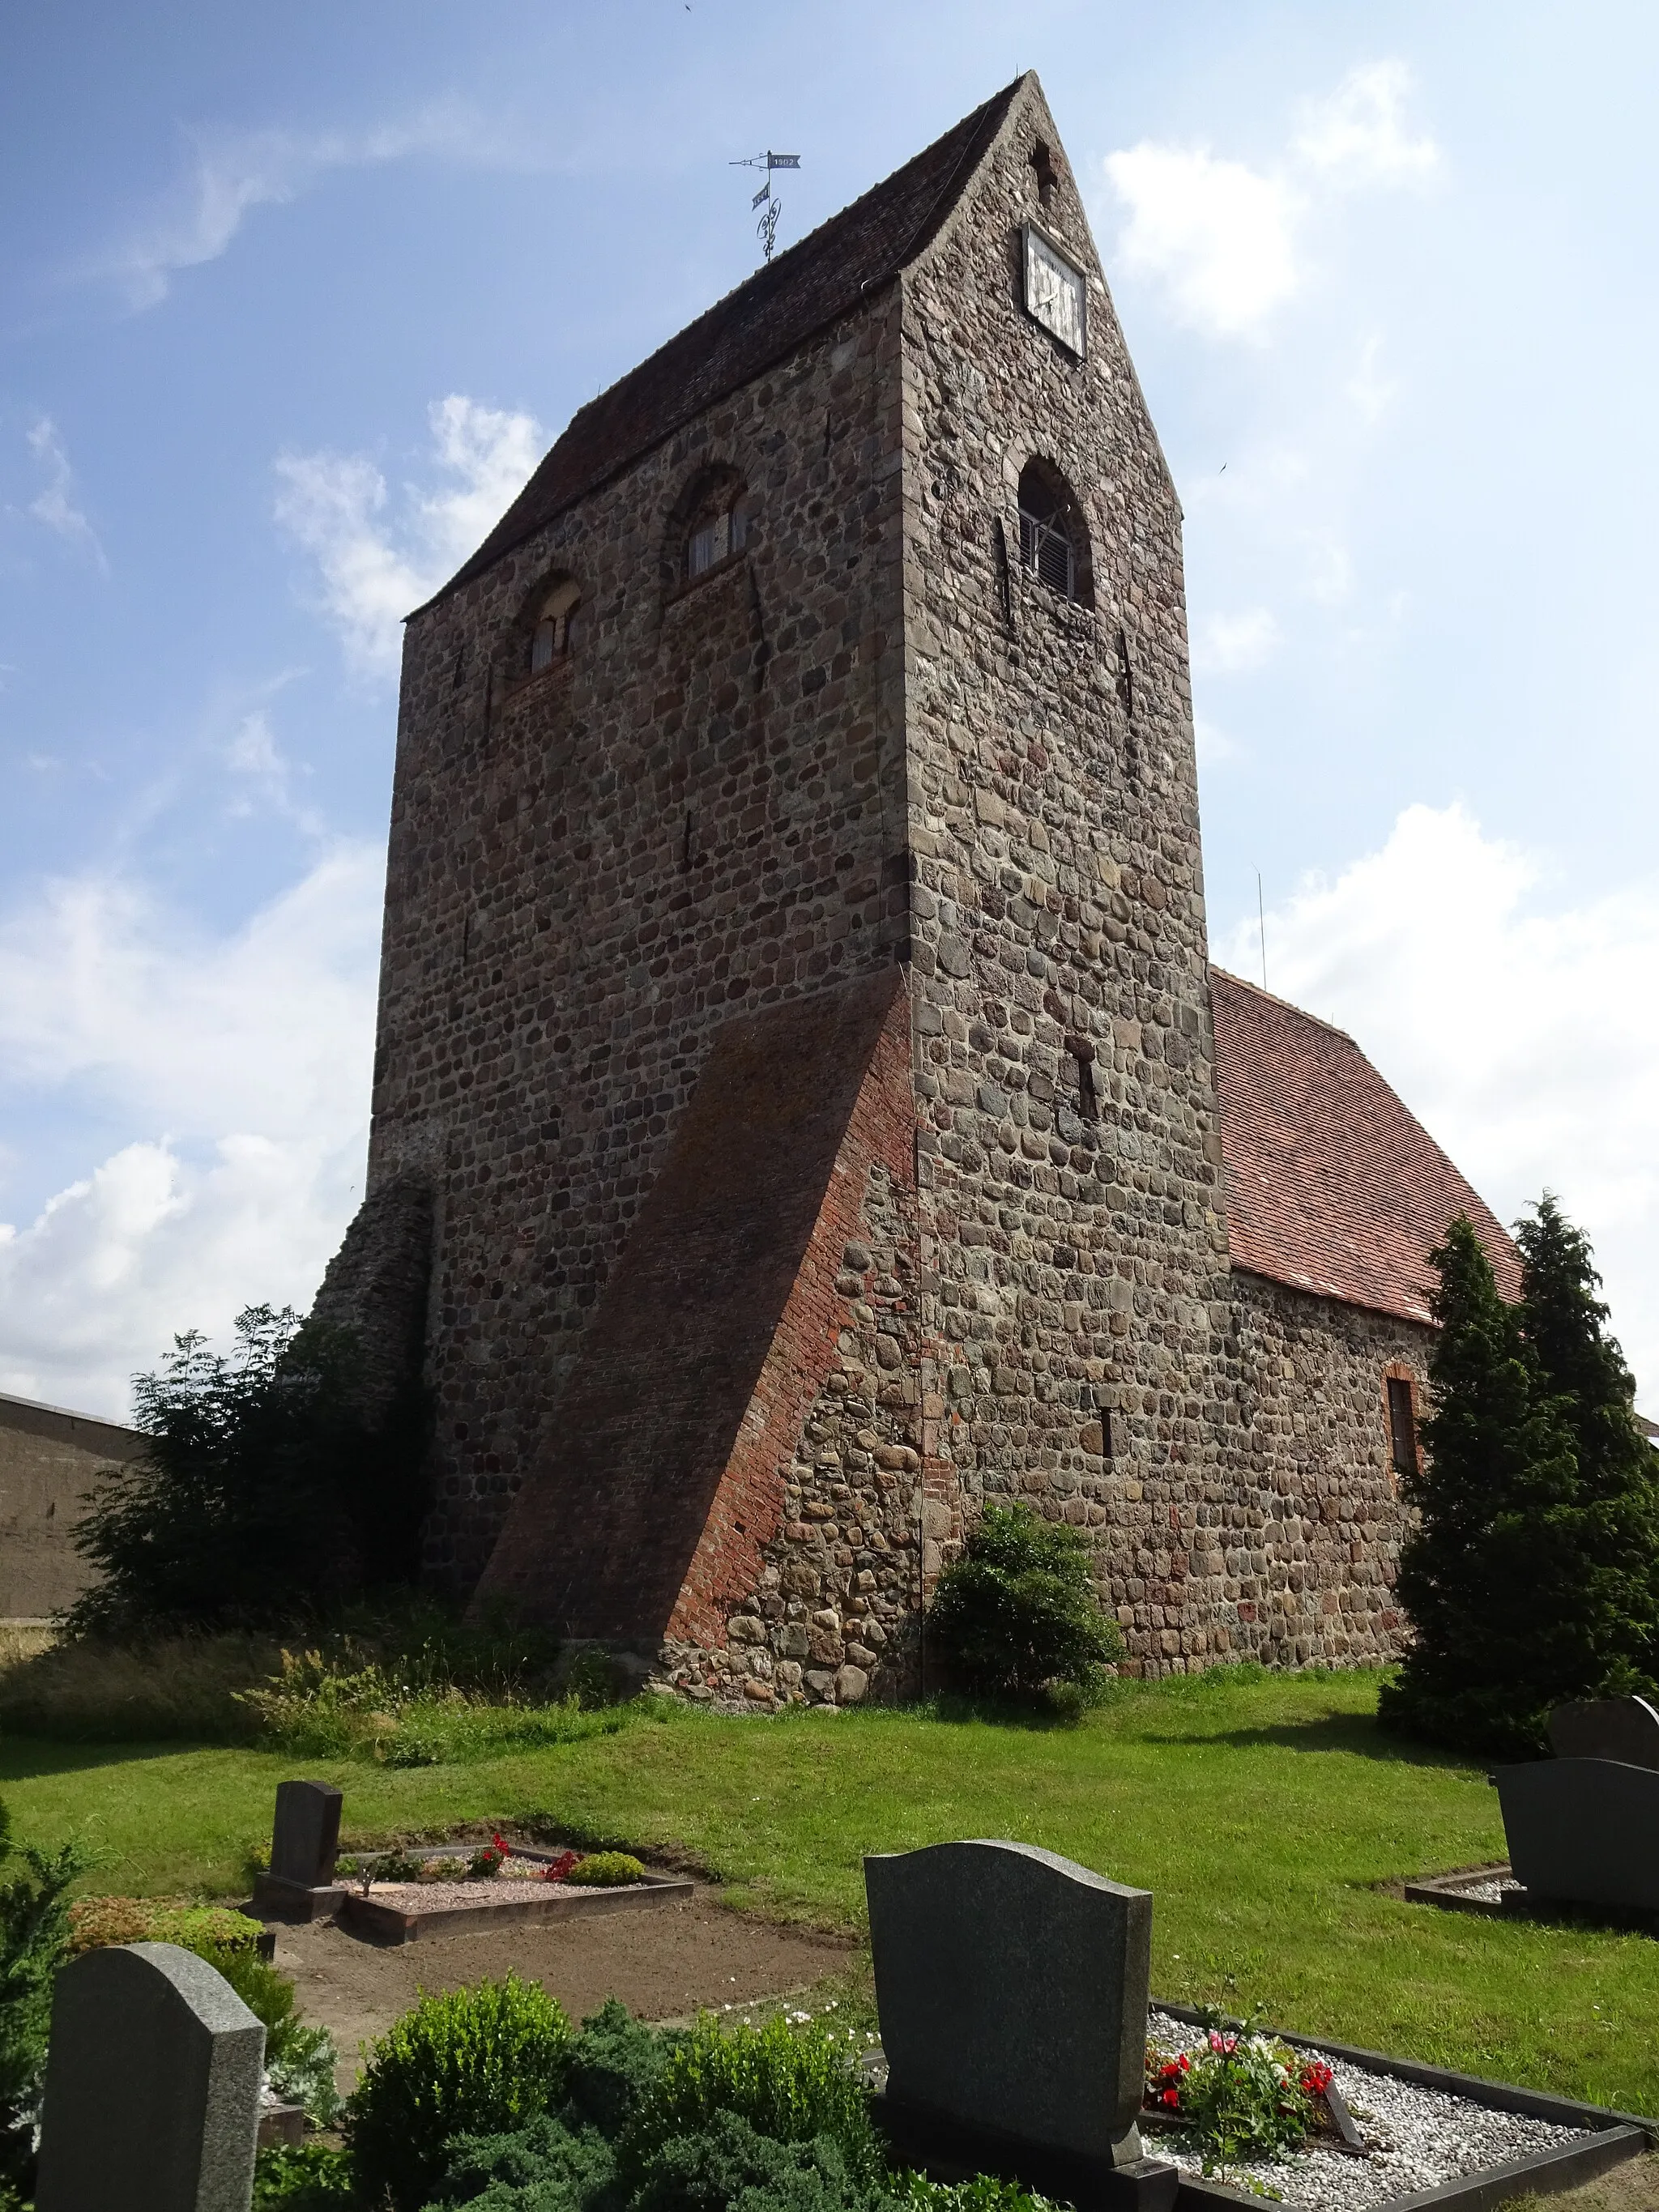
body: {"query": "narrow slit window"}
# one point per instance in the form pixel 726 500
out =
pixel 1088 1098
pixel 1402 1426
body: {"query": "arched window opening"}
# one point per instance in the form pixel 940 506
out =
pixel 1049 531
pixel 720 523
pixel 550 638
pixel 1043 163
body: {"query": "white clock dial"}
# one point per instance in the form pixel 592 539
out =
pixel 1055 292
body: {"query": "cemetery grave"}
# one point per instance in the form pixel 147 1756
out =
pixel 1018 2038
pixel 1582 1827
pixel 395 1897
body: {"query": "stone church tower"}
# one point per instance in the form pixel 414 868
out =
pixel 796 1102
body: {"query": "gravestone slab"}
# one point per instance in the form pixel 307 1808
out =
pixel 305 1842
pixel 1012 1987
pixel 152 2095
pixel 1624 1728
pixel 1585 1831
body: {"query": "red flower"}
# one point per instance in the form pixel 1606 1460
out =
pixel 1172 2096
pixel 556 1869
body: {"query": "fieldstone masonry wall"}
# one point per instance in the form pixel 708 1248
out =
pixel 867 743
pixel 1070 1137
pixel 699 808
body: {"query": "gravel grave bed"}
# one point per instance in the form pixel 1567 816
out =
pixel 1418 2138
pixel 518 1880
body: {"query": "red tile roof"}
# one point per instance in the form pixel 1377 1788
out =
pixel 1332 1185
pixel 781 306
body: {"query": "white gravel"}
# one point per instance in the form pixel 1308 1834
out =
pixel 1416 2138
pixel 1489 1890
pixel 515 1882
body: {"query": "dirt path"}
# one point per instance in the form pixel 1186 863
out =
pixel 662 1965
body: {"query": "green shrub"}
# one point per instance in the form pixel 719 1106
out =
pixel 261 1495
pixel 654 2120
pixel 478 2061
pixel 1018 1611
pixel 97 1921
pixel 729 2163
pixel 303 2177
pixel 788 2079
pixel 606 1869
pixel 35 1940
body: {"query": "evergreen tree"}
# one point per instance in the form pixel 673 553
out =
pixel 1479 1575
pixel 1616 1568
pixel 1533 1574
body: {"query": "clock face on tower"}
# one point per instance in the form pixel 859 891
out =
pixel 1055 292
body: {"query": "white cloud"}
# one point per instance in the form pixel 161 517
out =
pixel 1218 236
pixel 1231 645
pixel 234 172
pixel 1358 135
pixel 1520 1035
pixel 240 1064
pixel 1225 241
pixel 54 505
pixel 374 567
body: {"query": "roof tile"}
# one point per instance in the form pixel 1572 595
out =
pixel 1332 1185
pixel 778 309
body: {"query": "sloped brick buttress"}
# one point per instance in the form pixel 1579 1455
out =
pixel 651 1510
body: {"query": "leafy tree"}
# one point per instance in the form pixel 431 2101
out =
pixel 34 1940
pixel 1017 1611
pixel 263 1495
pixel 1524 1586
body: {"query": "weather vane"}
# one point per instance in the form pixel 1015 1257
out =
pixel 767 229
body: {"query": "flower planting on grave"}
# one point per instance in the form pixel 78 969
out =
pixel 1241 2093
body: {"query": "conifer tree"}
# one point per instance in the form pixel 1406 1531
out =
pixel 1615 1571
pixel 1478 1575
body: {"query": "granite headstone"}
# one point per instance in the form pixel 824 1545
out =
pixel 1012 1988
pixel 1584 1831
pixel 305 1842
pixel 1624 1728
pixel 152 2094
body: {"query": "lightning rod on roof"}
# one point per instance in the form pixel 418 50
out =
pixel 766 199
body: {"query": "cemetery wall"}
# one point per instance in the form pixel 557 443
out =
pixel 49 1460
pixel 698 808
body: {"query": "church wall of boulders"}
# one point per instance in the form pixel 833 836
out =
pixel 695 811
pixel 871 737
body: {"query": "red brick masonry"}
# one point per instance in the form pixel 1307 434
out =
pixel 648 1512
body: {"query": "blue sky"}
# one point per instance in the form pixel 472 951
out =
pixel 293 300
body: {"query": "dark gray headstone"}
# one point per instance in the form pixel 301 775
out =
pixel 1626 1728
pixel 1012 1986
pixel 1585 1831
pixel 152 2097
pixel 305 1841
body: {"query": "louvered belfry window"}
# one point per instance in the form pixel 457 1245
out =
pixel 1045 551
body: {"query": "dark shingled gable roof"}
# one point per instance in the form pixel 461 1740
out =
pixel 780 307
pixel 1332 1185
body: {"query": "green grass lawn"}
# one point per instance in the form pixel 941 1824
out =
pixel 1262 1812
